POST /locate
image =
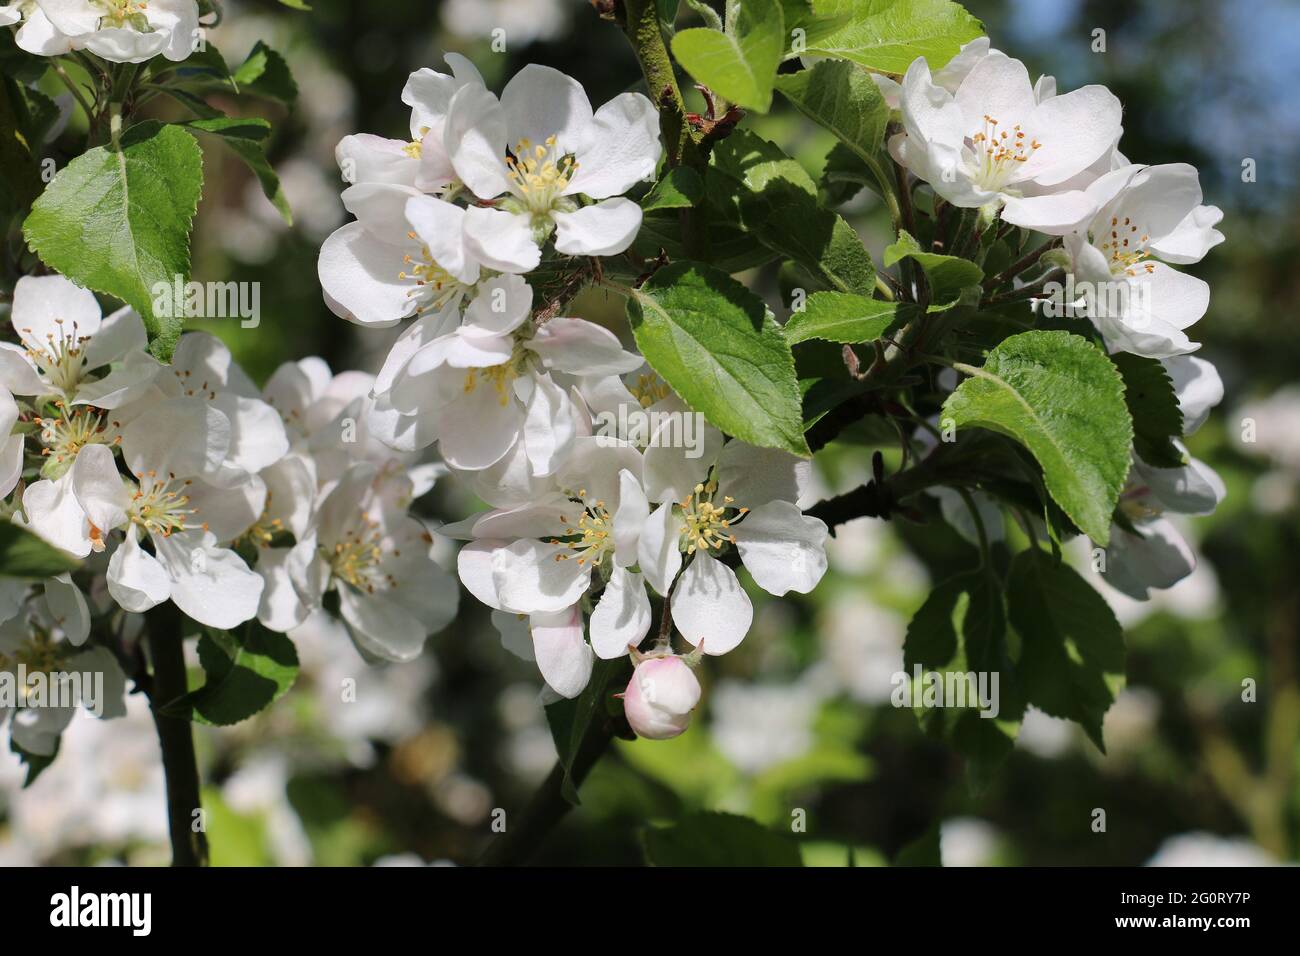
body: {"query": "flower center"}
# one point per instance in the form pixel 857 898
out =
pixel 356 559
pixel 39 654
pixel 592 536
pixel 435 287
pixel 1125 249
pixel 708 526
pixel 66 435
pixel 119 13
pixel 649 389
pixel 502 377
pixel 998 151
pixel 162 507
pixel 61 362
pixel 540 174
pixel 1136 503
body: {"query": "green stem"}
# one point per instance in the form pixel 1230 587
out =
pixel 175 737
pixel 77 93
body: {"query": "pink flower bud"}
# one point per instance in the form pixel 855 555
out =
pixel 660 697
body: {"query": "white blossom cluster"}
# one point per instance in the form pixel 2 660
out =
pixel 183 482
pixel 980 133
pixel 121 31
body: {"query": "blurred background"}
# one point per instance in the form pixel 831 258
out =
pixel 799 717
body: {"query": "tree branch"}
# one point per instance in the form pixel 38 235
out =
pixel 175 736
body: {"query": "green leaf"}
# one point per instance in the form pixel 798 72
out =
pixel 740 64
pixel 842 98
pixel 119 222
pixel 841 317
pixel 923 851
pixel 721 350
pixel 1060 397
pixel 246 137
pixel 265 73
pixel 752 182
pixel 23 554
pixel 680 188
pixel 1072 647
pixel 718 839
pixel 948 275
pixel 572 721
pixel 887 35
pixel 245 673
pixel 1153 403
pixel 35 763
pixel 962 629
pixel 21 182
pixel 209 66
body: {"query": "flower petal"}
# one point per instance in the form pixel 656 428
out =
pixel 563 657
pixel 622 615
pixel 710 606
pixel 603 229
pixel 783 548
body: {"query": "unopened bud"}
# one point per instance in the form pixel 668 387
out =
pixel 660 697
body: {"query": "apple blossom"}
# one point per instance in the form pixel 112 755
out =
pixel 1145 216
pixel 125 31
pixel 531 155
pixel 992 143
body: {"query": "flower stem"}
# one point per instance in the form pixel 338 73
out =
pixel 175 737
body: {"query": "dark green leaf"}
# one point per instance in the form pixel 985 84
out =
pixel 1060 397
pixel 245 673
pixel 1153 404
pixel 246 137
pixel 1072 647
pixel 572 722
pixel 948 275
pixel 25 555
pixel 842 98
pixel 680 188
pixel 719 348
pixel 264 73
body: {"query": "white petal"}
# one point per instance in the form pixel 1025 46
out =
pixel 603 229
pixel 709 605
pixel 11 464
pixel 658 554
pixel 440 226
pixel 1198 386
pixel 563 657
pixel 783 548
pixel 1054 214
pixel 52 309
pixel 474 566
pixel 622 615
pixel 365 158
pixel 137 581
pixel 67 606
pixel 549 430
pixel 54 513
pixel 540 102
pixel 624 148
pixel 500 306
pixel 1155 557
pixel 119 335
pixel 475 137
pixel 516 637
pixel 630 517
pixel 754 476
pixel 212 585
pixel 1076 129
pixel 529 579
pixel 1194 489
pixel 360 275
pixel 99 488
pixel 582 347
pixel 126 383
pixel 17 373
pixel 380 626
pixel 185 436
pixel 477 430
pixel 501 240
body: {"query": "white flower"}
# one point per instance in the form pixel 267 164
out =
pixel 65 339
pixel 950 75
pixel 406 255
pixel 660 697
pixel 391 594
pixel 35 639
pixel 168 450
pixel 1145 216
pixel 37 34
pixel 993 142
pixel 488 385
pixel 421 162
pixel 741 496
pixel 126 31
pixel 540 559
pixel 533 153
